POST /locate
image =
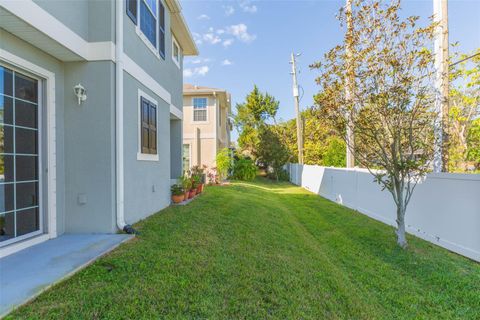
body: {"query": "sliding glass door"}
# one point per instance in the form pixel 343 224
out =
pixel 20 210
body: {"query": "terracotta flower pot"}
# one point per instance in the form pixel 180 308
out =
pixel 192 193
pixel 185 195
pixel 177 198
pixel 199 188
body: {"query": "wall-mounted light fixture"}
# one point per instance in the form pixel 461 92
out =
pixel 80 92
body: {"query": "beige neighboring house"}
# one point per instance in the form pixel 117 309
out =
pixel 206 124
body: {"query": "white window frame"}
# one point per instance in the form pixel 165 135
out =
pixel 48 78
pixel 144 156
pixel 193 111
pixel 175 43
pixel 139 31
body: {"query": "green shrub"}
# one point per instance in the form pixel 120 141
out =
pixel 176 190
pixel 224 163
pixel 244 169
pixel 279 175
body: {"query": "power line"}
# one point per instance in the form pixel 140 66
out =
pixel 467 58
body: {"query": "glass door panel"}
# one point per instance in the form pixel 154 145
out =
pixel 20 215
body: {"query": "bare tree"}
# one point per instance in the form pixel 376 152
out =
pixel 391 109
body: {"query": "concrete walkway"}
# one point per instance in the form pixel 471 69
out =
pixel 26 274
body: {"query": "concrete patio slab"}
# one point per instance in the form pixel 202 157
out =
pixel 26 274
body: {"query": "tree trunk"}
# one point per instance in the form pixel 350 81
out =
pixel 401 238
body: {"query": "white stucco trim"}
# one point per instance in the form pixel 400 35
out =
pixel 49 78
pixel 36 16
pixel 132 68
pixel 176 112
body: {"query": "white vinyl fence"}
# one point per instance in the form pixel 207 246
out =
pixel 444 209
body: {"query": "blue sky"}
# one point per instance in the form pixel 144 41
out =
pixel 243 42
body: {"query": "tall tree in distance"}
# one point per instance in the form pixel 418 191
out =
pixel 391 111
pixel 257 110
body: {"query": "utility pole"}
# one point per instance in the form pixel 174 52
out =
pixel 440 12
pixel 350 139
pixel 293 62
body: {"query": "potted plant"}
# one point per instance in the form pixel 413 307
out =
pixel 177 193
pixel 199 174
pixel 186 185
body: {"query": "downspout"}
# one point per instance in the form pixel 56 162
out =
pixel 119 185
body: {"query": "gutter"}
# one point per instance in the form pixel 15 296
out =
pixel 119 167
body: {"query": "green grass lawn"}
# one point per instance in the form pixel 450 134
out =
pixel 266 250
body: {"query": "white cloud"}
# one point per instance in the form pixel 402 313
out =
pixel 229 10
pixel 197 38
pixel 198 71
pixel 227 43
pixel 199 61
pixel 226 62
pixel 203 17
pixel 240 31
pixel 246 6
pixel 211 38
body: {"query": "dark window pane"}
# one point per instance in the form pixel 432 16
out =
pixel 27 194
pixel 152 119
pixel 26 168
pixel 152 140
pixel 6 168
pixel 6 197
pixel 148 24
pixel 162 43
pixel 6 81
pixel 6 110
pixel 26 141
pixel 132 10
pixel 145 137
pixel 144 111
pixel 7 225
pixel 27 221
pixel 26 114
pixel 6 139
pixel 25 88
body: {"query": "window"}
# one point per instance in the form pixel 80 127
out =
pixel 176 55
pixel 148 127
pixel 186 157
pixel 148 20
pixel 199 109
pixel 132 10
pixel 149 16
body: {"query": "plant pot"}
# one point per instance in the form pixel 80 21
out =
pixel 192 193
pixel 177 198
pixel 199 189
pixel 185 195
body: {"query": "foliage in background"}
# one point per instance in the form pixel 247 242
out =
pixel 464 109
pixel 473 143
pixel 257 110
pixel 224 162
pixel 335 153
pixel 386 63
pixel 244 169
pixel 273 152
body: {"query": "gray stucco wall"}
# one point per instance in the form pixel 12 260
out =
pixel 147 183
pixel 176 140
pixel 89 148
pixel 25 51
pixel 91 20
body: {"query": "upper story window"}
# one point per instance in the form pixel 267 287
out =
pixel 199 109
pixel 176 54
pixel 147 128
pixel 149 16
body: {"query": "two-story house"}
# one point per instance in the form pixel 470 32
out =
pixel 90 115
pixel 206 124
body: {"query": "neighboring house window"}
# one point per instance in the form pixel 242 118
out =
pixel 161 27
pixel 132 10
pixel 199 109
pixel 148 135
pixel 186 157
pixel 148 20
pixel 176 55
